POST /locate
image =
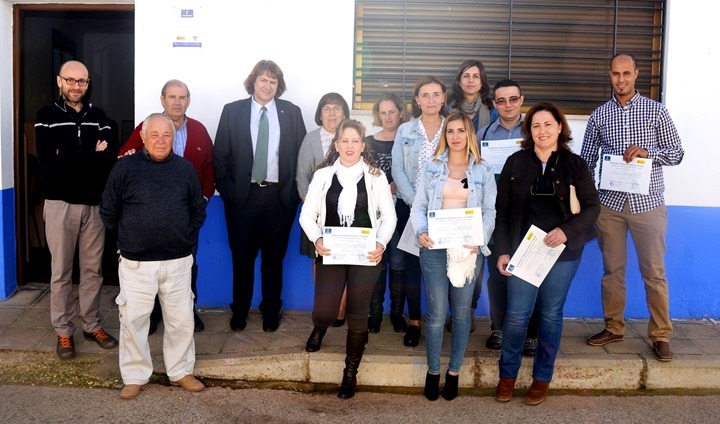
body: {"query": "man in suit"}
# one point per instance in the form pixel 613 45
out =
pixel 255 158
pixel 192 142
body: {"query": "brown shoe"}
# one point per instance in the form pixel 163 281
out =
pixel 662 351
pixel 537 392
pixel 504 389
pixel 604 337
pixel 189 383
pixel 131 391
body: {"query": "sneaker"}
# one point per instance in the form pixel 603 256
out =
pixel 103 339
pixel 494 342
pixel 604 337
pixel 65 347
pixel 530 346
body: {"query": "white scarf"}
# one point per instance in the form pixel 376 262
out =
pixel 460 265
pixel 348 177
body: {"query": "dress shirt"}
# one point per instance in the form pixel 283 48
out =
pixel 496 131
pixel 180 139
pixel 643 122
pixel 273 171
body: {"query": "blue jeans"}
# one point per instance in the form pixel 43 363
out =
pixel 437 286
pixel 548 300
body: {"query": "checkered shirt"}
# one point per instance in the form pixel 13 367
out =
pixel 643 122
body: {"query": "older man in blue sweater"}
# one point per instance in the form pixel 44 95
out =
pixel 153 202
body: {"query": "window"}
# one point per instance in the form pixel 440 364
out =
pixel 557 50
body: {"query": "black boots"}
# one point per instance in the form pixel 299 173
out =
pixel 315 340
pixel 376 303
pixel 432 386
pixel 397 302
pixel 354 353
pixel 450 389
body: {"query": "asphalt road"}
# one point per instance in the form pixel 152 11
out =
pixel 165 404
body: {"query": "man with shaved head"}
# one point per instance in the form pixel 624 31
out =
pixel 76 151
pixel 633 126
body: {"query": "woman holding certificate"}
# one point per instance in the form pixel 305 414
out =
pixel 415 142
pixel 547 186
pixel 455 178
pixel 348 192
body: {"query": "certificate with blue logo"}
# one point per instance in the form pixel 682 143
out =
pixel 533 260
pixel 630 177
pixel 456 227
pixel 348 245
pixel 496 152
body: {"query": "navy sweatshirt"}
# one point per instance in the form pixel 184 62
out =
pixel 154 208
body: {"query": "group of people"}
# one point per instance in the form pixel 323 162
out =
pixel 263 163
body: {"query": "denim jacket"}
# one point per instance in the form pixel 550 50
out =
pixel 482 191
pixel 405 157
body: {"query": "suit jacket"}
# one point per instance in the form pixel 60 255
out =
pixel 198 150
pixel 233 155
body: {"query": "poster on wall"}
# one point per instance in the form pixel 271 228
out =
pixel 187 25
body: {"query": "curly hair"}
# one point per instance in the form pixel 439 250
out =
pixel 366 154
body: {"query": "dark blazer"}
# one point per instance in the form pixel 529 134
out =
pixel 516 178
pixel 233 153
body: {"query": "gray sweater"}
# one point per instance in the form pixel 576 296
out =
pixel 154 208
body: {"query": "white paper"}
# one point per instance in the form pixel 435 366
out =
pixel 496 152
pixel 633 177
pixel 408 241
pixel 450 228
pixel 349 245
pixel 533 260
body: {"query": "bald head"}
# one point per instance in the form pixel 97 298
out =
pixel 72 82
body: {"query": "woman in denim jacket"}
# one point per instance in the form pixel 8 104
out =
pixel 457 177
pixel 415 143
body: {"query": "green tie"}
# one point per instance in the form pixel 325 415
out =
pixel 259 171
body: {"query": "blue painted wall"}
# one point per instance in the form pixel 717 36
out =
pixel 692 245
pixel 8 246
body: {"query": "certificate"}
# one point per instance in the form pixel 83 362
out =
pixel 348 245
pixel 408 241
pixel 496 152
pixel 533 260
pixel 455 227
pixel 633 177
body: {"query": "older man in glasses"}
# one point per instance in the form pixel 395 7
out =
pixel 76 151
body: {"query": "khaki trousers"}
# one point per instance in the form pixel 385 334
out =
pixel 648 231
pixel 67 226
pixel 140 282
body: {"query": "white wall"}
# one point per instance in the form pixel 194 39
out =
pixel 6 97
pixel 311 41
pixel 691 91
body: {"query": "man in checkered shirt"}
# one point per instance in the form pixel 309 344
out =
pixel 633 126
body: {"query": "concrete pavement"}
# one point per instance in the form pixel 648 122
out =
pixel 255 356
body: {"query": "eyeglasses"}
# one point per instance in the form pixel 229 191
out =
pixel 502 101
pixel 73 81
pixel 328 109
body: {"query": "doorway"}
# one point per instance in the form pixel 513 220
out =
pixel 45 36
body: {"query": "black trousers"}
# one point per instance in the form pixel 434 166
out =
pixel 330 281
pixel 262 225
pixel 413 274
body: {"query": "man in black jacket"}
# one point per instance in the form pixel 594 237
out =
pixel 76 152
pixel 255 159
pixel 153 203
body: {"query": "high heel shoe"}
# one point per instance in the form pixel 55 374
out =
pixel 412 337
pixel 315 340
